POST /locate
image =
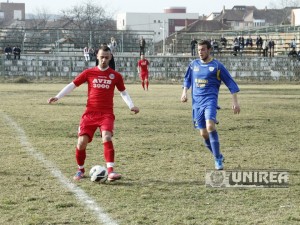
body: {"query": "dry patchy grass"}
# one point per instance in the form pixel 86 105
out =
pixel 159 153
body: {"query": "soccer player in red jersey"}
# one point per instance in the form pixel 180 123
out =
pixel 143 71
pixel 101 81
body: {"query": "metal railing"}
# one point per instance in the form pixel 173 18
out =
pixel 71 41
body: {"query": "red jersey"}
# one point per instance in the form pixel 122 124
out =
pixel 143 65
pixel 101 86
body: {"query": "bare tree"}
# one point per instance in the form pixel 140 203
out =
pixel 275 4
pixel 35 37
pixel 285 6
pixel 39 19
pixel 91 22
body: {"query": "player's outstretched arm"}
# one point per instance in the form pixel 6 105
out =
pixel 66 90
pixel 129 102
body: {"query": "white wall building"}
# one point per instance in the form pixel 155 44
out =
pixel 295 18
pixel 163 24
pixel 212 16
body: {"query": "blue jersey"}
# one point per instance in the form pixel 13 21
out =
pixel 205 79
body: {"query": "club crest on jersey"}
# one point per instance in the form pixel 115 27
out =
pixel 111 76
pixel 196 69
pixel 211 68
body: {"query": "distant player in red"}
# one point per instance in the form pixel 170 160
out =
pixel 143 71
pixel 101 81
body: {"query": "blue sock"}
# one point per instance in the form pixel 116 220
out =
pixel 215 144
pixel 207 144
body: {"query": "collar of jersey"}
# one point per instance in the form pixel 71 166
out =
pixel 211 59
pixel 102 69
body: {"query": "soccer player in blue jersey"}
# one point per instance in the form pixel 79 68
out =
pixel 204 77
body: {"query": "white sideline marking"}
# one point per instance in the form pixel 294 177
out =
pixel 79 193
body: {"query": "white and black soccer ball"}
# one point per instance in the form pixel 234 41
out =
pixel 98 174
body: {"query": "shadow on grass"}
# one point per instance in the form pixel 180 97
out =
pixel 151 182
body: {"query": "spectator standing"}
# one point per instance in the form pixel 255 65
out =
pixel 271 47
pixel 91 54
pixel 223 41
pixel 142 44
pixel 265 47
pixel 86 54
pixel 249 42
pixel 113 45
pixel 236 46
pixel 293 44
pixel 193 46
pixel 241 42
pixel 259 42
pixel 215 47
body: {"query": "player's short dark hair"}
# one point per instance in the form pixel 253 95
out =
pixel 205 42
pixel 104 47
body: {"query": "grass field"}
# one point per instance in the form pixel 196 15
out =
pixel 160 155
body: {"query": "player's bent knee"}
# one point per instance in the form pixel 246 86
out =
pixel 82 142
pixel 211 128
pixel 81 145
pixel 210 125
pixel 106 136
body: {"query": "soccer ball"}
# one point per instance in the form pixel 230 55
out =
pixel 98 174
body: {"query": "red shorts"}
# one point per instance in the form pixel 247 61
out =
pixel 144 76
pixel 90 121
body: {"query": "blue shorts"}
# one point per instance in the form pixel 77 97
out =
pixel 206 112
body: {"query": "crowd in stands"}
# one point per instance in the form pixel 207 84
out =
pixel 241 45
pixel 235 46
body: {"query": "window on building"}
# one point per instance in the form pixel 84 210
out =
pixel 154 21
pixel 17 14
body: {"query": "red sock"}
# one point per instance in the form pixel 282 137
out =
pixel 80 158
pixel 143 85
pixel 147 84
pixel 109 155
pixel 110 170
